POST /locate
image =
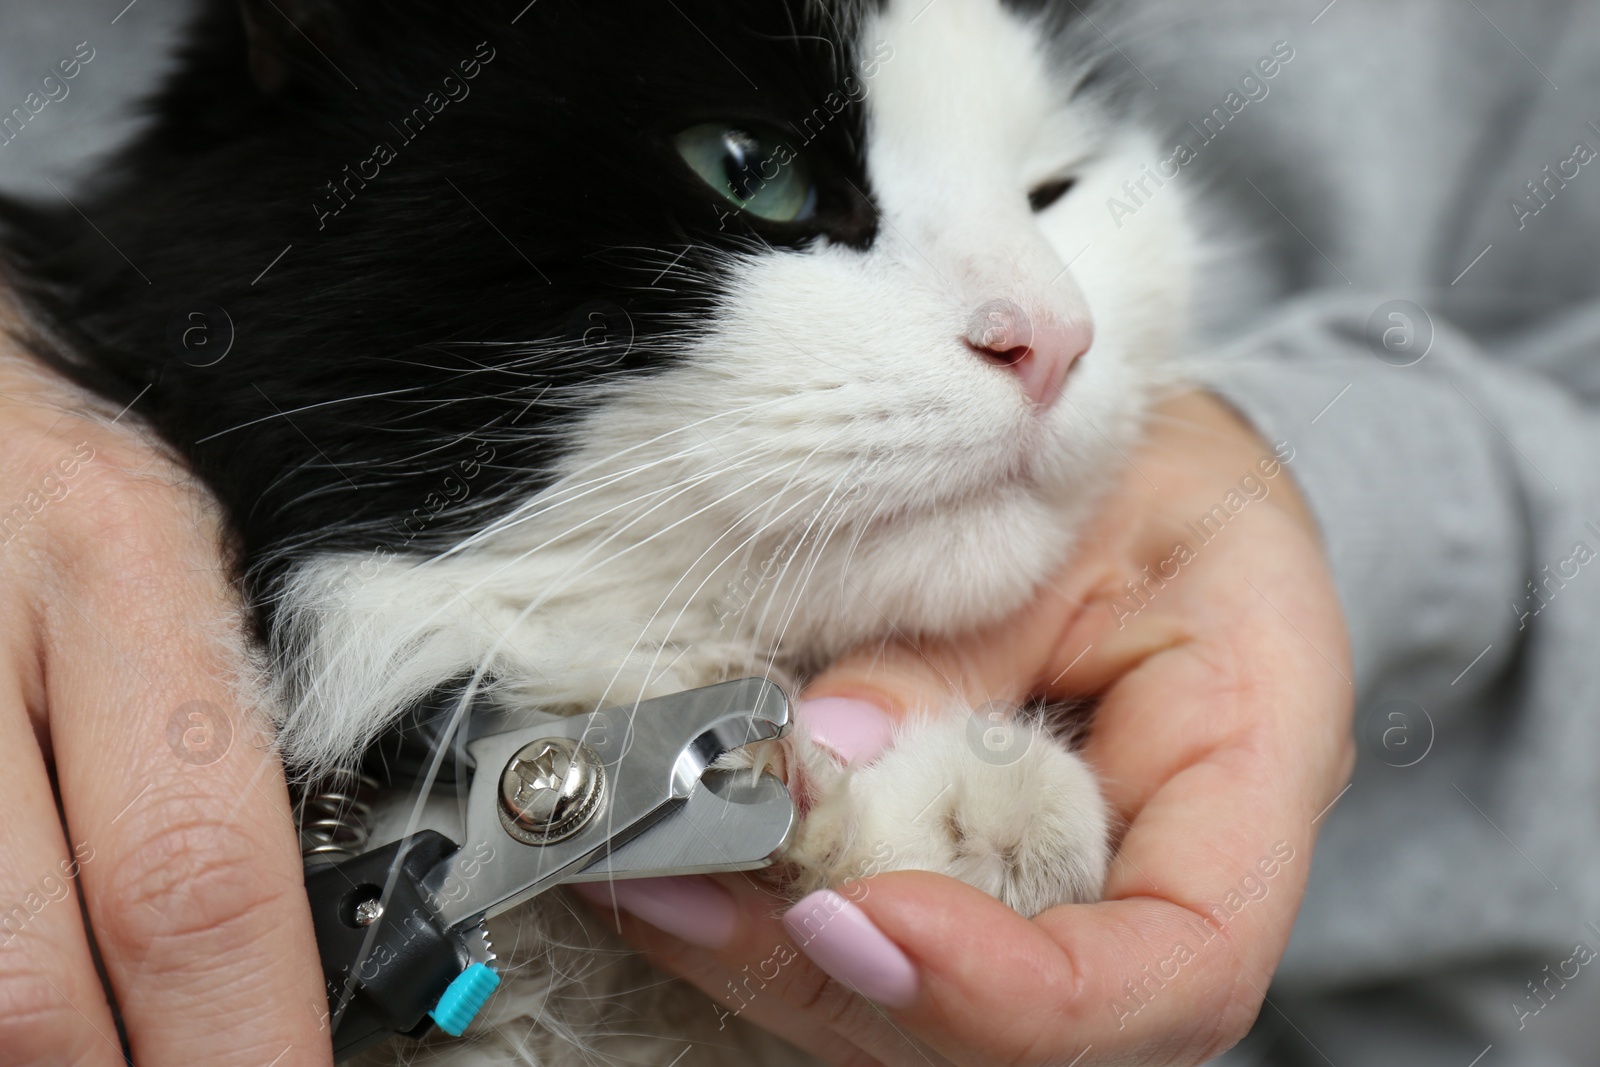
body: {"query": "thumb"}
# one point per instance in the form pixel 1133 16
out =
pixel 853 707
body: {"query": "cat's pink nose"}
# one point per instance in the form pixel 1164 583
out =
pixel 1038 350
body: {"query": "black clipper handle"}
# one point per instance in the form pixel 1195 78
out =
pixel 411 959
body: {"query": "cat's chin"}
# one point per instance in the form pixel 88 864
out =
pixel 936 573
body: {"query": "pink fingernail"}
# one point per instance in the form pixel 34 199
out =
pixel 693 907
pixel 839 938
pixel 854 730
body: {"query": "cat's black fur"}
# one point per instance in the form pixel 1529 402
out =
pixel 532 239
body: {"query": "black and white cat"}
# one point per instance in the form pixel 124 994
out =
pixel 600 350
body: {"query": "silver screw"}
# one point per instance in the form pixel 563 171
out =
pixel 368 912
pixel 550 790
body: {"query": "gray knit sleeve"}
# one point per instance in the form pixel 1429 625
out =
pixel 1459 501
pixel 1454 493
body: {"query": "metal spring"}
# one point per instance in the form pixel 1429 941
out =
pixel 334 816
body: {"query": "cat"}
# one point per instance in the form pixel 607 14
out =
pixel 598 351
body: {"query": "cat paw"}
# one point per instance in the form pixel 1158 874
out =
pixel 1000 804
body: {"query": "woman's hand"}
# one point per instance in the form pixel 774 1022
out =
pixel 121 669
pixel 1200 613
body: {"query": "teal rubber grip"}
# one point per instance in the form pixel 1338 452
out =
pixel 465 996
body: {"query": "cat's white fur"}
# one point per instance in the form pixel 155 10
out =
pixel 830 465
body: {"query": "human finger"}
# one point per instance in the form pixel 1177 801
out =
pixel 747 964
pixel 52 1006
pixel 196 897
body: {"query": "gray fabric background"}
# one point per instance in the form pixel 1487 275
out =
pixel 58 143
pixel 1379 168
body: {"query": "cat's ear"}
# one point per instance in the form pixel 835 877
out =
pixel 285 37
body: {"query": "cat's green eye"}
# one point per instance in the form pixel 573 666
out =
pixel 753 168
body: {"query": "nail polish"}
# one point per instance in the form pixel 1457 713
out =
pixel 838 937
pixel 693 907
pixel 856 731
